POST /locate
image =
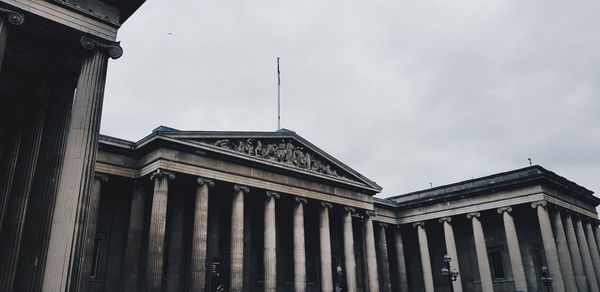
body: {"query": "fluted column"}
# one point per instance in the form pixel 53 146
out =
pixel 34 246
pixel 512 240
pixel 63 267
pixel 451 250
pixel 7 169
pixel 425 259
pixel 549 245
pixel 156 236
pixel 481 249
pixel 597 234
pixel 198 279
pixel 299 248
pixel 175 255
pixel 588 266
pixel 575 253
pixel 325 248
pixel 371 253
pixel 270 243
pixel 236 255
pixel 90 236
pixel 131 266
pixel 593 249
pixel 349 257
pixel 400 262
pixel 386 283
pixel 563 252
pixel 14 221
pixel 7 16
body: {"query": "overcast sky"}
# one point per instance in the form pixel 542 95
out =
pixel 405 92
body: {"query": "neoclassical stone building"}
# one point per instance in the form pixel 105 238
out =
pixel 240 211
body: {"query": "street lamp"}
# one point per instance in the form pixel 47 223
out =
pixel 449 274
pixel 546 278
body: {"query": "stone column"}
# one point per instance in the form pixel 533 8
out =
pixel 563 252
pixel 580 277
pixel 386 282
pixel 588 266
pixel 198 269
pixel 270 243
pixel 597 234
pixel 62 266
pixel 481 249
pixel 16 208
pixel 593 249
pixel 425 259
pixel 325 248
pixel 349 257
pixel 400 262
pixel 156 236
pixel 371 253
pixel 7 169
pixel 13 17
pixel 549 245
pixel 90 233
pixel 236 255
pixel 135 233
pixel 299 248
pixel 175 255
pixel 451 250
pixel 512 240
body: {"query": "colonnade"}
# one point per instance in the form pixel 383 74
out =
pixel 570 245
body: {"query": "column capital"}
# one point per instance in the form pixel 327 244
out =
pixel 419 224
pixel 300 200
pixel 201 181
pixel 370 213
pixel 91 43
pixel 445 219
pixel 13 16
pixel 473 215
pixel 161 172
pixel 241 188
pixel 538 204
pixel 501 210
pixel 349 209
pixel 271 194
pixel 326 205
pixel 382 224
pixel 101 176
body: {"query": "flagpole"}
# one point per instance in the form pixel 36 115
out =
pixel 278 96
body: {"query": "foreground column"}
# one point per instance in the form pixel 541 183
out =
pixel 371 253
pixel 563 252
pixel 16 209
pixel 198 279
pixel 593 249
pixel 349 257
pixel 597 234
pixel 90 236
pixel 400 262
pixel 425 259
pixel 549 245
pixel 514 251
pixel 451 250
pixel 588 266
pixel 62 267
pixel 480 247
pixel 135 234
pixel 386 282
pixel 7 169
pixel 580 277
pixel 156 236
pixel 299 248
pixel 236 256
pixel 325 248
pixel 270 242
pixel 10 16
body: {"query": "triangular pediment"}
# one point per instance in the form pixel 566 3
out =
pixel 282 148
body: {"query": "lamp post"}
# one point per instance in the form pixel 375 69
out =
pixel 546 278
pixel 449 274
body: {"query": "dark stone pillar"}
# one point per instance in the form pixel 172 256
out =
pixel 12 228
pixel 156 237
pixel 10 16
pixel 175 260
pixel 7 170
pixel 199 242
pixel 68 223
pixel 384 264
pixel 133 249
pixel 30 269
